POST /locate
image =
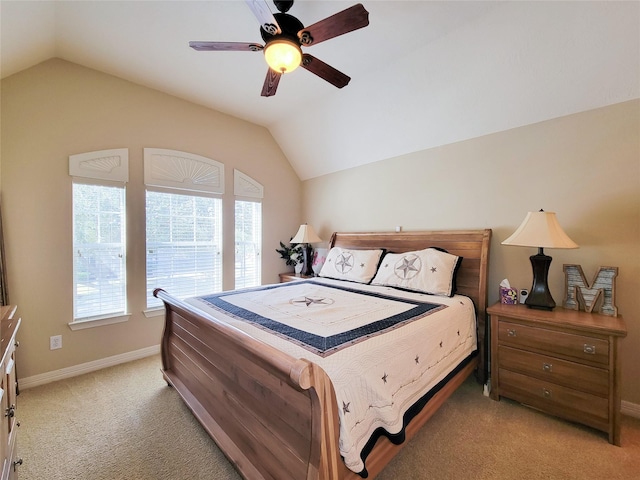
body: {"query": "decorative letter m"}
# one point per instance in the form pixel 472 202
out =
pixel 579 295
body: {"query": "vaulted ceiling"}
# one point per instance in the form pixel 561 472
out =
pixel 424 73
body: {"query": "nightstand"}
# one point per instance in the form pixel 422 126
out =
pixel 292 277
pixel 563 362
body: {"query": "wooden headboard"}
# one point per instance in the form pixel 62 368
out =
pixel 472 245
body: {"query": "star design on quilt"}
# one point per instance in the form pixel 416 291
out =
pixel 384 377
pixel 312 301
pixel 458 332
pixel 434 269
pixel 362 265
pixel 408 267
pixel 440 343
pixel 344 262
pixel 417 359
pixel 345 407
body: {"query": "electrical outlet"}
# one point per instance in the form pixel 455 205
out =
pixel 55 342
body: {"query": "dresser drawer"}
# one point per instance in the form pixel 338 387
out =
pixel 564 402
pixel 562 372
pixel 581 347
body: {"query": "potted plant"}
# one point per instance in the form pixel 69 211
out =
pixel 292 255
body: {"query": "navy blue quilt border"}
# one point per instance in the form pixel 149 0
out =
pixel 320 345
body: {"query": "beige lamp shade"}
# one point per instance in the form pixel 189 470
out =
pixel 540 229
pixel 306 234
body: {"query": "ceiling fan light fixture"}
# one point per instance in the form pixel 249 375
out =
pixel 282 56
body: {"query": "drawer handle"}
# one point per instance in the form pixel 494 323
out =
pixel 546 393
pixel 590 349
pixel 547 367
pixel 511 332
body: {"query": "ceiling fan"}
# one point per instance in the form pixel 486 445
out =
pixel 284 34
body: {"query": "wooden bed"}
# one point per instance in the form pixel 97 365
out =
pixel 275 416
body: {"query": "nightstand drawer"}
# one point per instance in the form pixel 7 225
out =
pixel 562 401
pixel 581 347
pixel 562 372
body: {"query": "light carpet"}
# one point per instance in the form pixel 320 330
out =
pixel 124 422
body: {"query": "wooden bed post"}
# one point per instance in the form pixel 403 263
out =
pixel 325 462
pixel 164 345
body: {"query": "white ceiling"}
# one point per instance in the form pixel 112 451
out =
pixel 424 73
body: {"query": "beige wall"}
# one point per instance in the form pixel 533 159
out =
pixel 584 167
pixel 56 109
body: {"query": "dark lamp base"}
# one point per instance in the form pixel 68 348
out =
pixel 307 260
pixel 540 297
pixel 539 307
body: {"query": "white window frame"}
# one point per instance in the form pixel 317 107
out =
pixel 248 252
pixel 192 245
pixel 247 189
pixel 183 173
pixel 108 168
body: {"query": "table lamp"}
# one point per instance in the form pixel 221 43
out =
pixel 306 236
pixel 542 230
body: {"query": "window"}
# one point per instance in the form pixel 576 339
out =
pixel 99 273
pixel 248 221
pixel 184 244
pixel 248 244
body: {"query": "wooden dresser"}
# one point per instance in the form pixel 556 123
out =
pixel 9 324
pixel 563 362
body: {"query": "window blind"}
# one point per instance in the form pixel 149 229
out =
pixel 99 272
pixel 184 244
pixel 248 244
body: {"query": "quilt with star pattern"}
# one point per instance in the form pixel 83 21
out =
pixel 383 348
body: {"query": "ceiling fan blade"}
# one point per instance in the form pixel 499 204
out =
pixel 270 83
pixel 226 46
pixel 342 22
pixel 324 71
pixel 262 12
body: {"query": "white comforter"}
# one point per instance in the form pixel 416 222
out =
pixel 376 376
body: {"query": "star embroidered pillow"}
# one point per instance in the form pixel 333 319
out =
pixel 352 265
pixel 427 271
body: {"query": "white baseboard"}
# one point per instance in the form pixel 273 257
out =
pixel 41 379
pixel 631 409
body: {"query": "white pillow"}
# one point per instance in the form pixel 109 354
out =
pixel 353 265
pixel 427 271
